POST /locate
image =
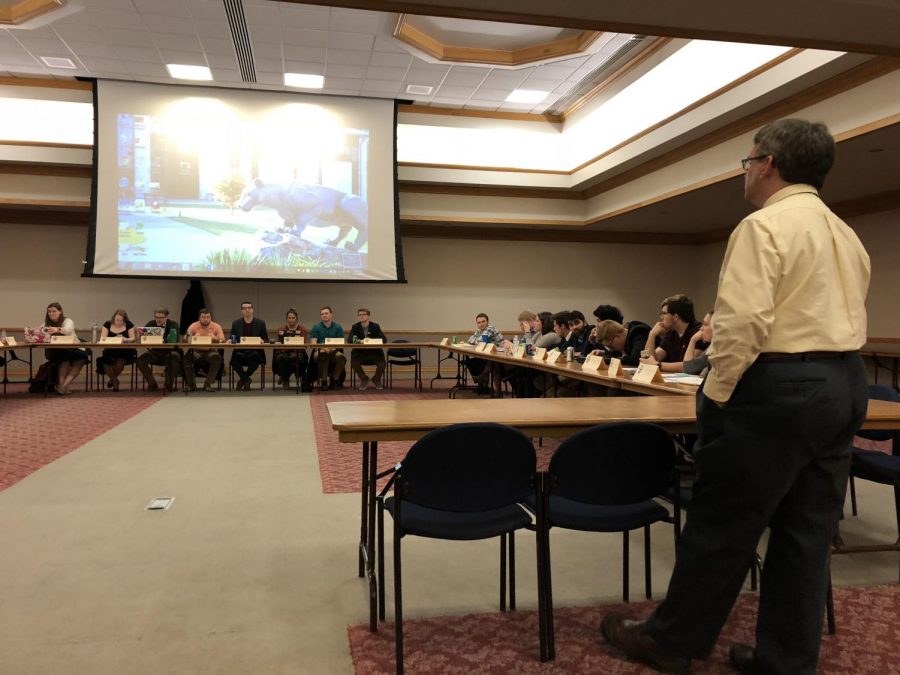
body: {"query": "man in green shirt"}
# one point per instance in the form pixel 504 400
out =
pixel 329 360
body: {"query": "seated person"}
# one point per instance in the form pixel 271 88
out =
pixel 604 313
pixel 550 336
pixel 549 385
pixel 67 362
pixel 696 356
pixel 208 358
pixel 674 329
pixel 579 332
pixel 531 326
pixel 360 331
pixel 625 343
pixel 479 368
pixel 289 362
pixel 246 361
pixel 112 361
pixel 329 360
pixel 170 358
pixel 521 378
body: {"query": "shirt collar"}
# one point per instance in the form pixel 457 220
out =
pixel 790 191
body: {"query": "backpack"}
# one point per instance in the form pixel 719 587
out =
pixel 43 380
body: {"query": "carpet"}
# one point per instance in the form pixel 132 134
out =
pixel 866 640
pixel 339 463
pixel 35 430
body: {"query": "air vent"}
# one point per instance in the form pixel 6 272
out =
pixel 160 503
pixel 595 77
pixel 234 10
pixel 419 89
pixel 58 62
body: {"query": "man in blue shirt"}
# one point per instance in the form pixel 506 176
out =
pixel 329 360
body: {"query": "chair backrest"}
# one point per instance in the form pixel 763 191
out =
pixel 469 467
pixel 619 463
pixel 407 353
pixel 879 392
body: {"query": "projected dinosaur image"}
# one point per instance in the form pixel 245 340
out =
pixel 301 206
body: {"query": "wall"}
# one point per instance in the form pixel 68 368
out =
pixel 449 282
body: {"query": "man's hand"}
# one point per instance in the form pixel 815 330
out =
pixel 657 329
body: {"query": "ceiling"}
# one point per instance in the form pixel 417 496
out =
pixel 354 50
pixel 351 43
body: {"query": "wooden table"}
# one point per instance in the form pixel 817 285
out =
pixel 368 422
pixel 573 370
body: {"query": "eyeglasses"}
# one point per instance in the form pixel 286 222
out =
pixel 745 163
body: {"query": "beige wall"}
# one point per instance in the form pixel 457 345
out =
pixel 449 281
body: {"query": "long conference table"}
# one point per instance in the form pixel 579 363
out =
pixel 368 422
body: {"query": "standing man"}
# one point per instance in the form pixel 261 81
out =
pixel 363 330
pixel 786 392
pixel 246 361
pixel 329 360
pixel 170 358
pixel 211 359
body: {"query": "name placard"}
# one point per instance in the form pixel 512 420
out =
pixel 555 356
pixel 334 341
pixel 373 341
pixel 615 368
pixel 250 340
pixel 540 353
pixel 647 374
pixel 62 339
pixel 480 346
pixel 594 363
pixel 520 352
pixel 11 341
pixel 111 340
pixel 201 339
pixel 445 342
pixel 151 339
pixel 294 340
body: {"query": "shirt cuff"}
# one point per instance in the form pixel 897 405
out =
pixel 717 391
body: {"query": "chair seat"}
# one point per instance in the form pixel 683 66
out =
pixel 876 466
pixel 425 522
pixel 574 515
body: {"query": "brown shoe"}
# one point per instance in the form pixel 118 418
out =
pixel 632 639
pixel 742 658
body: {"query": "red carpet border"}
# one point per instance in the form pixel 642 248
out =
pixel 339 463
pixel 866 640
pixel 35 430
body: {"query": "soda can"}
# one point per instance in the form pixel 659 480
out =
pixel 570 353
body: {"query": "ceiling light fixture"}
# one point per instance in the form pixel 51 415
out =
pixel 182 72
pixel 419 89
pixel 526 96
pixel 303 81
pixel 58 62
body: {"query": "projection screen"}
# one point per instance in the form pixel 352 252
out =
pixel 203 182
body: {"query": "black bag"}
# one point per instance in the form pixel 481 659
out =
pixel 44 379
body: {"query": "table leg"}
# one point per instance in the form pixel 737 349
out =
pixel 370 549
pixel 364 511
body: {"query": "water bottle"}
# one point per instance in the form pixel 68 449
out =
pixel 2 337
pixel 173 336
pixel 515 344
pixel 95 333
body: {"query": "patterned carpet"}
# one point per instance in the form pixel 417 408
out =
pixel 339 463
pixel 866 640
pixel 35 430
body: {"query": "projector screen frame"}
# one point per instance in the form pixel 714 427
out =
pixel 90 252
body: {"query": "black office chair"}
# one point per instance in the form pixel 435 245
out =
pixel 404 356
pixel 462 482
pixel 878 467
pixel 604 479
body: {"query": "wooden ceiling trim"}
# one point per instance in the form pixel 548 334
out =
pixel 466 167
pixel 38 169
pixel 489 191
pixel 883 201
pixel 45 82
pixel 47 144
pixel 416 109
pixel 411 219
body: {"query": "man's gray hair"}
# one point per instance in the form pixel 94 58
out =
pixel 803 152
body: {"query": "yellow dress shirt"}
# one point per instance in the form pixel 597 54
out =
pixel 794 279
